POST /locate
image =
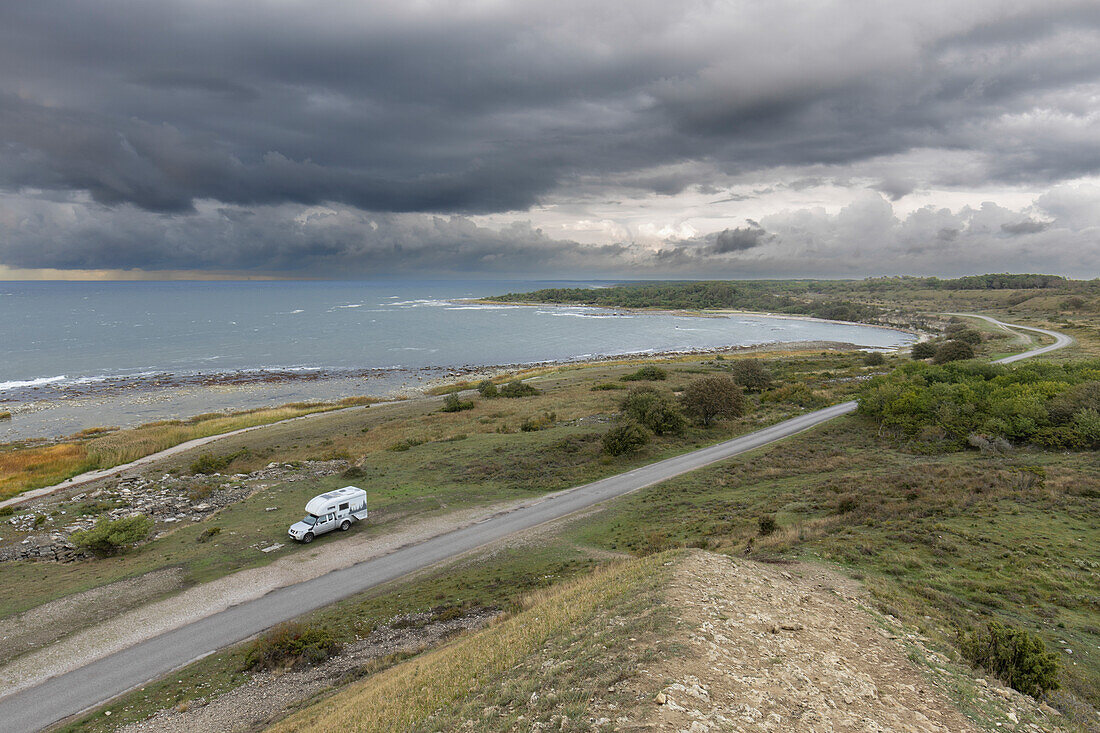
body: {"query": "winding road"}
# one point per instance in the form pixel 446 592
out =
pixel 63 696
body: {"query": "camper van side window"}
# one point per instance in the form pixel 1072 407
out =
pixel 343 507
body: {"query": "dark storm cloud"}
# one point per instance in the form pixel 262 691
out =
pixel 451 108
pixel 1027 226
pixel 738 240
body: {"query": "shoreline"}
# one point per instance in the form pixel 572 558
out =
pixel 702 313
pixel 243 390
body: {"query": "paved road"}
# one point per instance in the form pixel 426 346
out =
pixel 88 686
pixel 1060 339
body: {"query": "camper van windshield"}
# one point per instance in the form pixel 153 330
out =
pixel 310 519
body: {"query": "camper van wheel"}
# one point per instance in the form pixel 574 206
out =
pixel 308 538
pixel 345 525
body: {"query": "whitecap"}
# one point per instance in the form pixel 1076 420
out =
pixel 20 383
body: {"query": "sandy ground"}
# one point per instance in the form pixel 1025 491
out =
pixel 204 600
pixel 795 648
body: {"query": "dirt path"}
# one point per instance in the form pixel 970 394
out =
pixel 204 600
pixel 794 648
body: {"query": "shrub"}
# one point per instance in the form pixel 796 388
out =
pixel 5 415
pixel 768 525
pixel 648 373
pixel 796 393
pixel 535 423
pixel 207 463
pixel 626 437
pixel 517 389
pixel 354 472
pixel 874 358
pixel 953 351
pixel 714 398
pixel 654 410
pixel 751 374
pixel 289 646
pixel 922 350
pixel 208 534
pixel 488 390
pixel 967 336
pixel 109 536
pixel 1018 658
pixel 608 386
pixel 453 403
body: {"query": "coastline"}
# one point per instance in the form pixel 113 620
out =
pixel 705 313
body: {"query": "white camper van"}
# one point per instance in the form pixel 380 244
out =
pixel 333 510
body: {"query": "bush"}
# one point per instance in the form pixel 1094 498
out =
pixel 5 415
pixel 453 403
pixel 207 463
pixel 751 374
pixel 874 358
pixel 536 423
pixel 626 437
pixel 354 472
pixel 647 373
pixel 654 410
pixel 768 526
pixel 1018 658
pixel 289 646
pixel 923 350
pixel 517 389
pixel 107 537
pixel 953 351
pixel 208 534
pixel 714 398
pixel 488 390
pixel 966 335
pixel 608 386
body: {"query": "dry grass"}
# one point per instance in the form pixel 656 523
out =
pixel 406 697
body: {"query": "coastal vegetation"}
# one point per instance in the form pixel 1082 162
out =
pixel 945 407
pixel 24 467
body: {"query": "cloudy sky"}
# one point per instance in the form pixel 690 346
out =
pixel 548 139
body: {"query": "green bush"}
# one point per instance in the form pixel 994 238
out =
pixel 922 350
pixel 626 437
pixel 1016 657
pixel 874 358
pixel 5 415
pixel 453 403
pixel 107 537
pixel 655 410
pixel 648 373
pixel 795 393
pixel 767 525
pixel 517 389
pixel 953 351
pixel 487 389
pixel 1042 403
pixel 208 534
pixel 291 645
pixel 608 386
pixel 751 374
pixel 714 398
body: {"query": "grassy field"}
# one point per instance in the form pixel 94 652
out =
pixel 417 461
pixel 30 467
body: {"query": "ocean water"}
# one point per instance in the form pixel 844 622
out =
pixel 63 339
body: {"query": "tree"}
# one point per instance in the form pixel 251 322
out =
pixel 953 351
pixel 751 374
pixel 653 409
pixel 626 437
pixel 714 398
pixel 923 350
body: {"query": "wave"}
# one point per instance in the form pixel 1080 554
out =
pixel 559 314
pixel 21 383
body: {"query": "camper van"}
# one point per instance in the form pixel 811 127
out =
pixel 332 510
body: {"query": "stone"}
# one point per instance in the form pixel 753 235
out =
pixel 661 698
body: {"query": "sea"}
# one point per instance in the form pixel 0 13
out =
pixel 79 354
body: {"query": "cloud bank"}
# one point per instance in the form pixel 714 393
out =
pixel 838 138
